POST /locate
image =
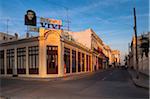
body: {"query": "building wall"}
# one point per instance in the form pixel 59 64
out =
pixel 55 39
pixel 115 57
pixel 6 37
pixel 51 38
pixel 14 46
pixel 82 51
pixel 89 39
pixel 48 38
pixel 93 54
pixel 83 37
pixel 143 60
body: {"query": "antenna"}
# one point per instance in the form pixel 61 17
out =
pixel 67 13
pixel 67 18
pixel 7 20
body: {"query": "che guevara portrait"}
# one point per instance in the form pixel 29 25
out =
pixel 30 18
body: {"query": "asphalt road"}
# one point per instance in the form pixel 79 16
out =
pixel 107 84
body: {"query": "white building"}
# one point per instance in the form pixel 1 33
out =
pixel 143 53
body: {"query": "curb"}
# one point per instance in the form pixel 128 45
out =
pixel 135 83
pixel 63 78
pixel 3 97
pixel 140 85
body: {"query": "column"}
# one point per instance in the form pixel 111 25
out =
pixel 85 62
pixel 5 62
pixel 61 59
pixel 15 63
pixel 42 53
pixel 80 61
pixel 42 58
pixel 27 59
pixel 70 60
pixel 76 60
pixel 96 62
pixel 91 63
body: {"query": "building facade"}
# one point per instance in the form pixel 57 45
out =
pixel 115 58
pixel 54 53
pixel 91 40
pixel 143 55
pixel 7 37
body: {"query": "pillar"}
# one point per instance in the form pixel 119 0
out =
pixel 42 54
pixel 76 60
pixel 80 61
pixel 88 63
pixel 15 63
pixel 70 60
pixel 27 59
pixel 85 62
pixel 61 58
pixel 91 62
pixel 5 62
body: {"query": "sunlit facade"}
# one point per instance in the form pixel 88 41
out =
pixel 115 57
pixel 91 40
pixel 53 53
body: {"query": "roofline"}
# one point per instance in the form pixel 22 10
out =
pixel 18 41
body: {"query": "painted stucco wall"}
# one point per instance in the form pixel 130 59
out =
pixel 83 37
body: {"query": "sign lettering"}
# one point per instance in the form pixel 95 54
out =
pixel 50 23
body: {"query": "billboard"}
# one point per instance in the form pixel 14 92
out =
pixel 30 18
pixel 51 23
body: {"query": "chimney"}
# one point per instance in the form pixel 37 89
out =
pixel 16 35
pixel 4 37
pixel 27 34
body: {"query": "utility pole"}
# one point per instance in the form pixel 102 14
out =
pixel 135 30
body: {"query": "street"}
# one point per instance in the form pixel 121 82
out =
pixel 107 84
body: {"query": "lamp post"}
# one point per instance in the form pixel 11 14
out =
pixel 135 30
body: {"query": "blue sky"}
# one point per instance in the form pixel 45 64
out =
pixel 112 20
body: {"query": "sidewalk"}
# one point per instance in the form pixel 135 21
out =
pixel 67 77
pixel 143 80
pixel 64 78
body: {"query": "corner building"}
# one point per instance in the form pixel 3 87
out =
pixel 51 54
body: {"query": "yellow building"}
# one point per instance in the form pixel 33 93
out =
pixel 53 53
pixel 115 57
pixel 108 54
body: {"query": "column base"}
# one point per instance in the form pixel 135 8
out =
pixel 14 75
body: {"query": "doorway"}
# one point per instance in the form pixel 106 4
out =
pixel 52 59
